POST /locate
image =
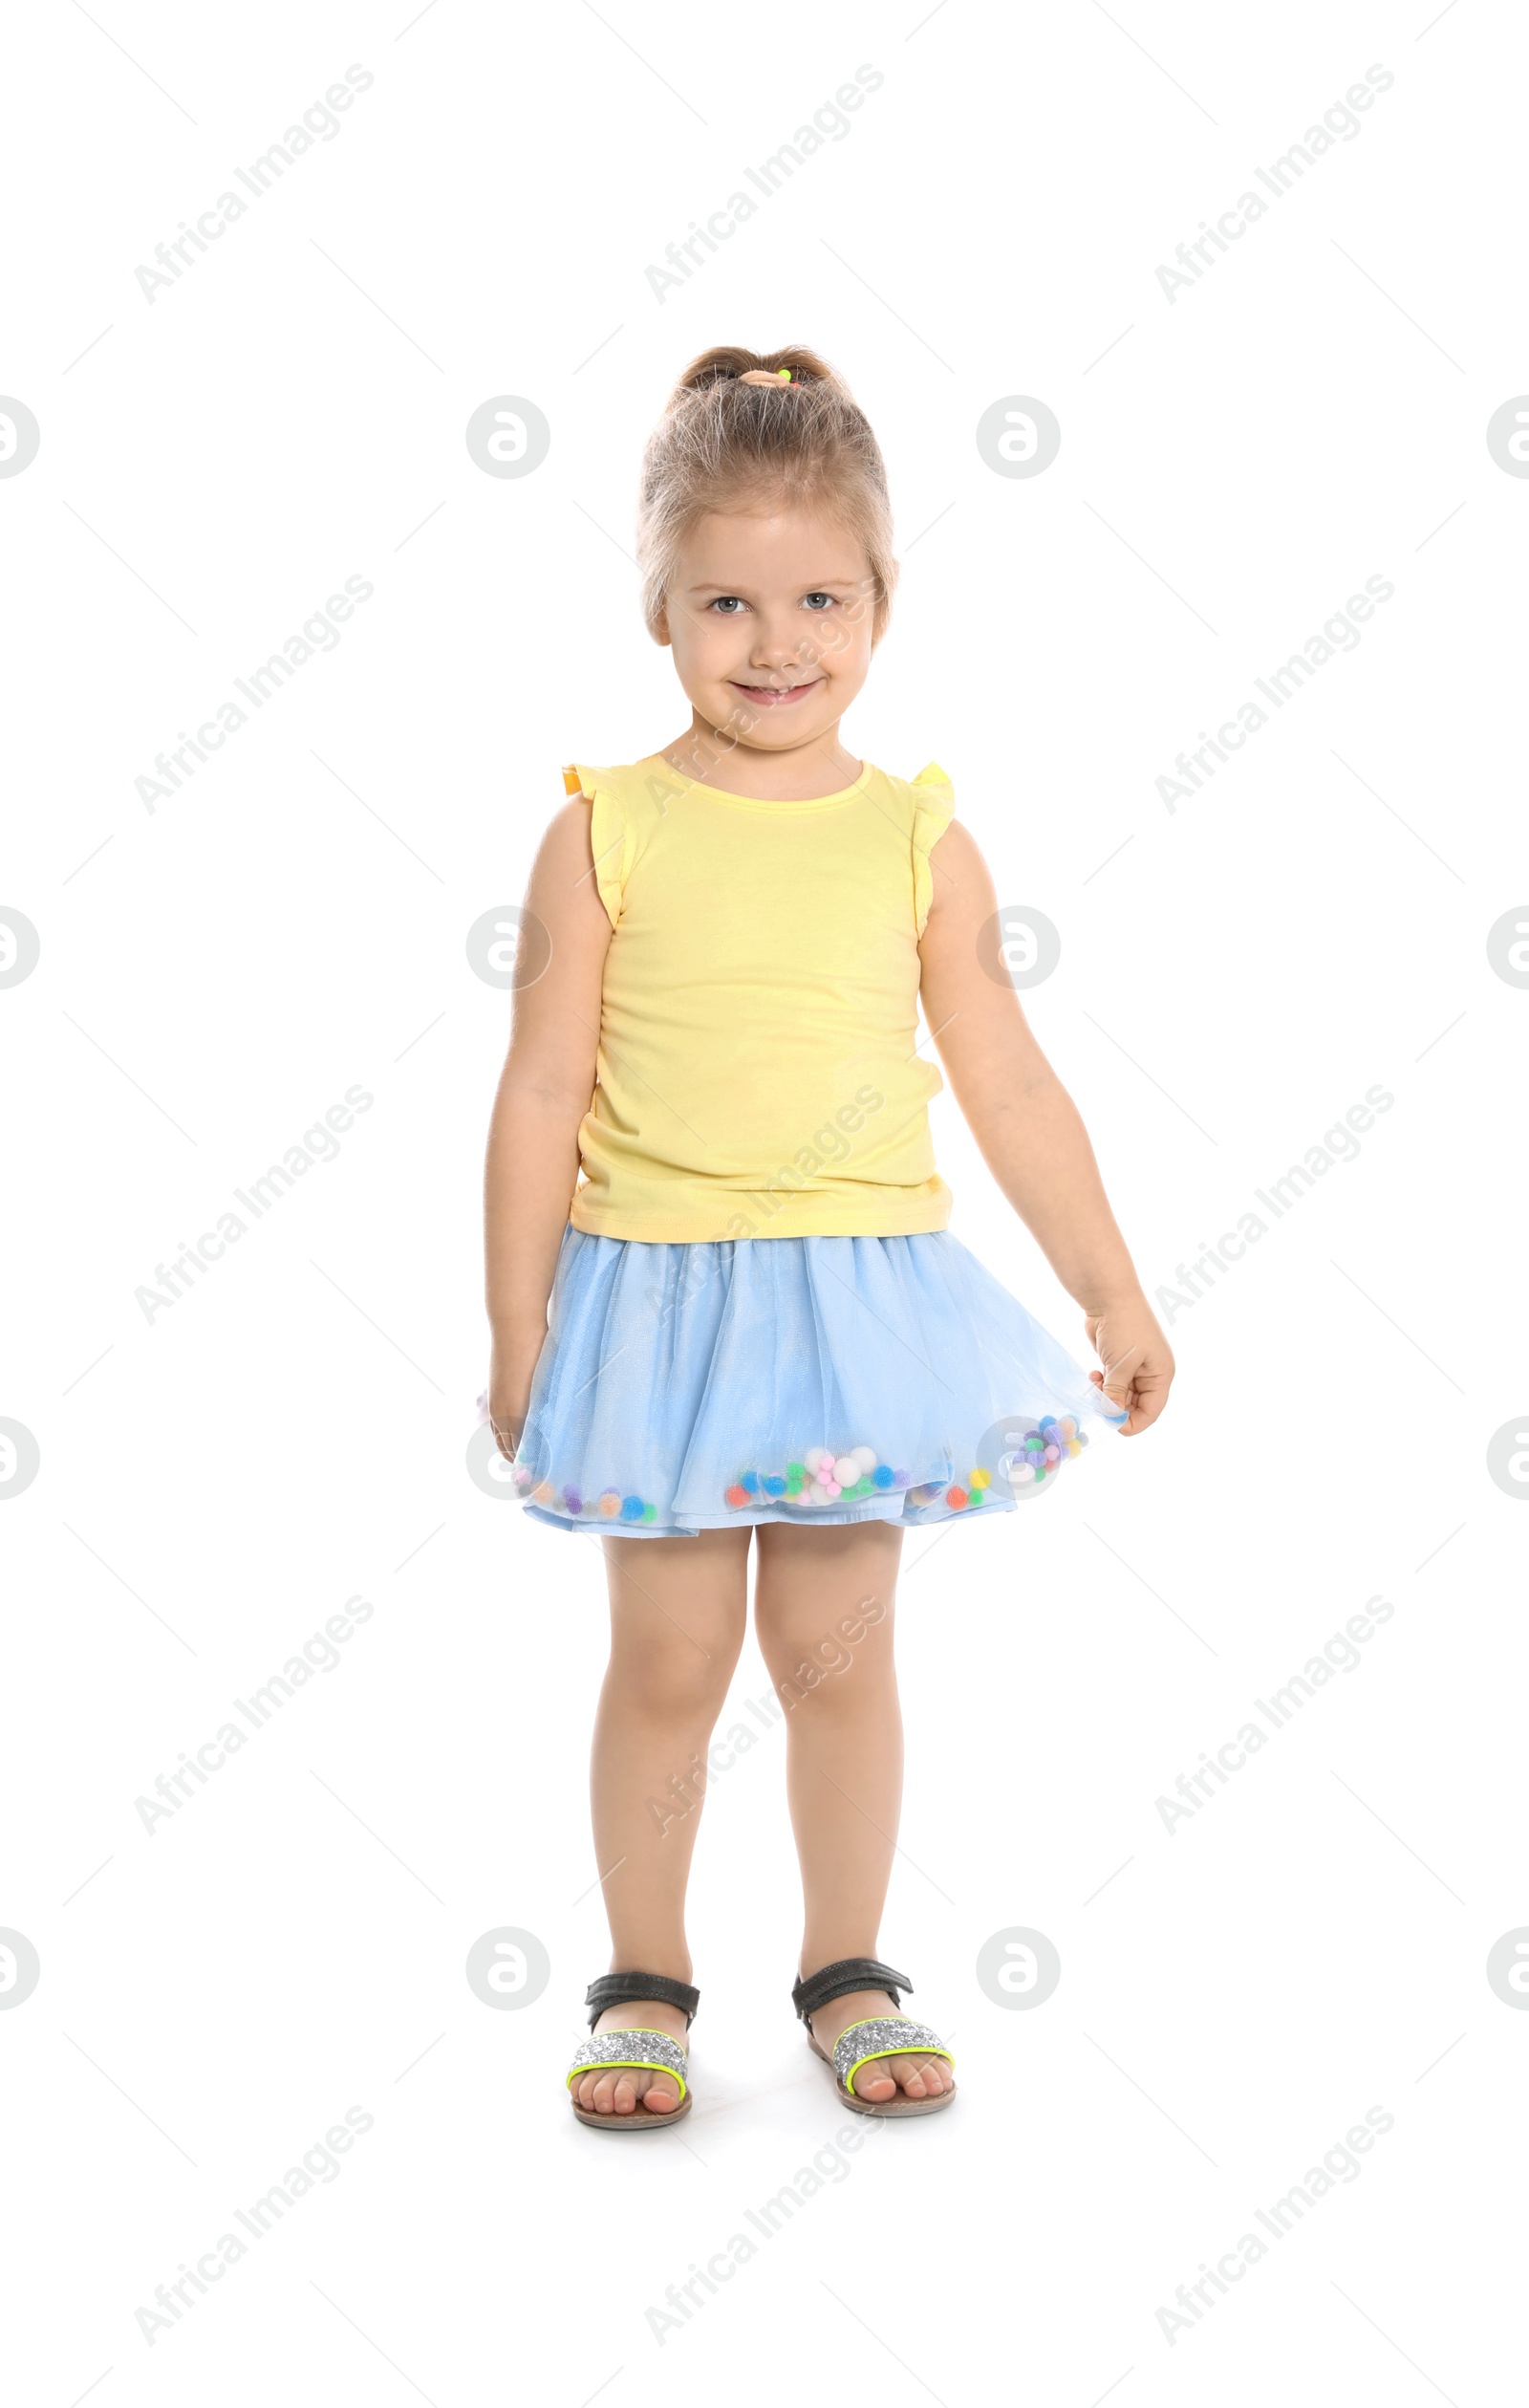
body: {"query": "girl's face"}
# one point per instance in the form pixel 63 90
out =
pixel 770 618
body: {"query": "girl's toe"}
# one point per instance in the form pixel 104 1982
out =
pixel 660 2099
pixel 874 2086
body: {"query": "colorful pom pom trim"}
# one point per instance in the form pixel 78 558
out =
pixel 1043 1447
pixel 610 1506
pixel 823 1475
pixel 820 1475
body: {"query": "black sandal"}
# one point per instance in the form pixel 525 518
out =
pixel 655 2051
pixel 876 2036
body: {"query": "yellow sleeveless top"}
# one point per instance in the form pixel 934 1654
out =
pixel 757 1073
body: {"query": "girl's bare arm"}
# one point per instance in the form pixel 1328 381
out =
pixel 544 1093
pixel 1030 1134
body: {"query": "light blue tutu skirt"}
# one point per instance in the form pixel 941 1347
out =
pixel 807 1379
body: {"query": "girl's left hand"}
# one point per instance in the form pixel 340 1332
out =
pixel 509 1387
pixel 1138 1361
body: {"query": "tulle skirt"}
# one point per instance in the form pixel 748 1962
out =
pixel 828 1379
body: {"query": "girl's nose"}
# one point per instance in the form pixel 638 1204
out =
pixel 776 647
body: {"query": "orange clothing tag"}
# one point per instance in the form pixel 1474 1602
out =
pixel 571 782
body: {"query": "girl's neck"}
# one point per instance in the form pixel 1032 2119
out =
pixel 791 773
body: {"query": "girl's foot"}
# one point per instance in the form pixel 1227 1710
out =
pixel 912 2077
pixel 616 2092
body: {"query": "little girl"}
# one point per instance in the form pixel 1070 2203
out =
pixel 724 1302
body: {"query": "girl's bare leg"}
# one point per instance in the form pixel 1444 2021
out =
pixel 678 1612
pixel 822 1613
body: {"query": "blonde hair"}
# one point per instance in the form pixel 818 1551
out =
pixel 735 430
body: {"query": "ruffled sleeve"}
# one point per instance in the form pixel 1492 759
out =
pixel 934 803
pixel 610 830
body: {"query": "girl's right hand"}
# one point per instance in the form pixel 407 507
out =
pixel 1138 1361
pixel 509 1389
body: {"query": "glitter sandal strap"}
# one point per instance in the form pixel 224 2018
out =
pixel 839 1978
pixel 630 1989
pixel 655 2051
pixel 884 2036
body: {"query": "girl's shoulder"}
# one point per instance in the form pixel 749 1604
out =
pixel 628 799
pixel 628 796
pixel 932 795
pixel 931 805
pixel 629 780
pixel 654 782
pixel 624 801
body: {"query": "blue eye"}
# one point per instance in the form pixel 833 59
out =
pixel 813 600
pixel 729 604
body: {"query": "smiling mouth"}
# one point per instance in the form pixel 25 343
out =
pixel 773 695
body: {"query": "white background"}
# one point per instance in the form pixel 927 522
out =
pixel 219 1480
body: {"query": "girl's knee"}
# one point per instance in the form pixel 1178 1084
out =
pixel 819 1656
pixel 672 1680
pixel 674 1656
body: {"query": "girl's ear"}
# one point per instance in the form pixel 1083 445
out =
pixel 660 634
